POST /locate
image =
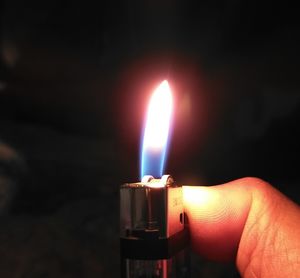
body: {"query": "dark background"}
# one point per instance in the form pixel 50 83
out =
pixel 75 78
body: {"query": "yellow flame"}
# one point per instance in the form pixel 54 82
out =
pixel 158 118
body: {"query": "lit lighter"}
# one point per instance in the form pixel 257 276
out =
pixel 154 240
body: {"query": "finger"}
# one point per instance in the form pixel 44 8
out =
pixel 216 217
pixel 248 220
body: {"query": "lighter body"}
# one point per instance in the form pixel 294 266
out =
pixel 153 237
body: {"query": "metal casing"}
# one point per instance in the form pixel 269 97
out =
pixel 145 209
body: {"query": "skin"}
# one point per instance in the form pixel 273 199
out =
pixel 248 221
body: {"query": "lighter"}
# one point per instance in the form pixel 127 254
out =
pixel 154 240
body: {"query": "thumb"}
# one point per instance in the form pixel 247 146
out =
pixel 247 220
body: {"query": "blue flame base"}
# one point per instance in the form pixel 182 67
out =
pixel 152 164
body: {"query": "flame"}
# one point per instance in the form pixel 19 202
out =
pixel 156 132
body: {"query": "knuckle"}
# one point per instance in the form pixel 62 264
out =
pixel 257 185
pixel 255 181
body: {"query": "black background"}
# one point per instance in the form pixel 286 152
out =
pixel 75 78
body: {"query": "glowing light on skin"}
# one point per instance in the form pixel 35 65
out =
pixel 156 133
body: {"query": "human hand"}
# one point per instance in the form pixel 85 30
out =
pixel 247 220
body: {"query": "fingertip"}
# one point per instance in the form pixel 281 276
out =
pixel 216 216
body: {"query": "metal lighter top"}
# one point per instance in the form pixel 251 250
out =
pixel 152 221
